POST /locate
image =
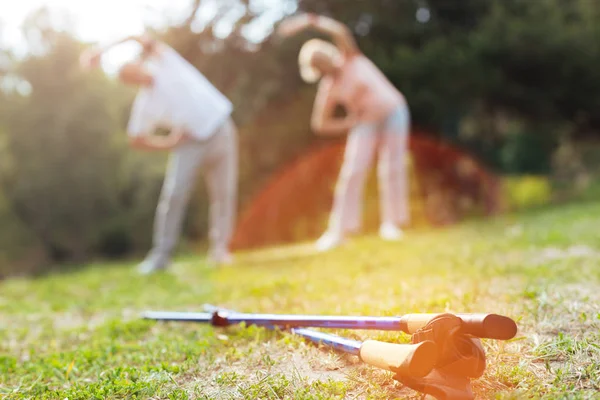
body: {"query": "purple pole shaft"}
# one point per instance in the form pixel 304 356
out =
pixel 179 316
pixel 317 321
pixel 284 320
pixel 337 342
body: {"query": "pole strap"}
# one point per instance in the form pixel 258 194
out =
pixel 461 358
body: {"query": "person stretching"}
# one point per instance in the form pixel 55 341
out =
pixel 174 95
pixel 377 119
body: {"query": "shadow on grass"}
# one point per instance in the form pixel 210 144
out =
pixel 129 261
pixel 278 254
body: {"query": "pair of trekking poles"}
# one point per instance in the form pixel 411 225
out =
pixel 445 352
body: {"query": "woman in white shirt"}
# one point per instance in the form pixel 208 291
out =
pixel 175 95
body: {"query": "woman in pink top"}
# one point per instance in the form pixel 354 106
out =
pixel 377 117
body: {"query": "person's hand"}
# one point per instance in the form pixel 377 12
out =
pixel 90 59
pixel 145 39
pixel 352 120
pixel 180 137
pixel 293 25
pixel 150 46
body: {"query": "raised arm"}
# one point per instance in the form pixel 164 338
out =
pixel 145 40
pixel 322 119
pixel 91 57
pixel 340 33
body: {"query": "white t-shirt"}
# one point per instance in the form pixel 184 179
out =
pixel 180 96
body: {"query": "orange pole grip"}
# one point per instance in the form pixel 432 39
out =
pixel 489 326
pixel 414 360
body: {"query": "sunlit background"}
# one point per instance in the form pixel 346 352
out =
pixel 109 20
pixel 496 125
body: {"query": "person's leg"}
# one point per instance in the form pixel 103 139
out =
pixel 222 180
pixel 347 204
pixel 175 194
pixel 393 175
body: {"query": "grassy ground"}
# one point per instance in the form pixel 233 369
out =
pixel 79 336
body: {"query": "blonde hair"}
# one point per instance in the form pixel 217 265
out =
pixel 309 73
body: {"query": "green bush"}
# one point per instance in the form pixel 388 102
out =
pixel 20 252
pixel 526 191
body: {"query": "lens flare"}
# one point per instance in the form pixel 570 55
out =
pixel 447 185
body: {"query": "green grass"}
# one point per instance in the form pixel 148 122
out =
pixel 79 335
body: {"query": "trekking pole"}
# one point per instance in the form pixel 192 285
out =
pixel 460 357
pixel 410 360
pixel 460 354
pixel 485 326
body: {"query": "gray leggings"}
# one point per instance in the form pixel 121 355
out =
pixel 218 158
pixel 389 138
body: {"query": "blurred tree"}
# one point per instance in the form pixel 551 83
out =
pixel 61 176
pixel 539 58
pixel 531 61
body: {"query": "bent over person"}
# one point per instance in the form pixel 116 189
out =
pixel 377 117
pixel 176 96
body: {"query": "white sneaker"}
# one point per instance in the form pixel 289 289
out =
pixel 154 262
pixel 328 241
pixel 389 231
pixel 221 257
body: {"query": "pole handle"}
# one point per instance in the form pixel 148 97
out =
pixel 485 326
pixel 414 360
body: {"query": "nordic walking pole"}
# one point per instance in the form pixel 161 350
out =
pixel 410 360
pixel 481 325
pixel 401 359
pixel 485 326
pixel 460 357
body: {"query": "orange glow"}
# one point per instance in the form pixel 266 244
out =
pixel 447 185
